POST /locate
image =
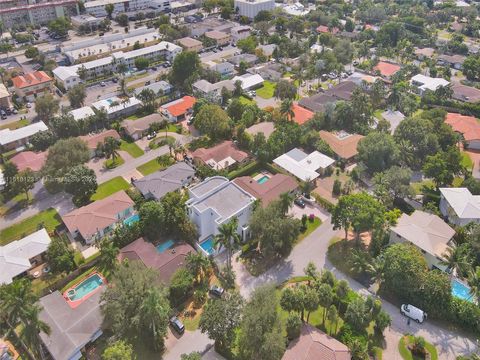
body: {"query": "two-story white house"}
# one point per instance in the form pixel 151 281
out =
pixel 216 201
pixel 459 206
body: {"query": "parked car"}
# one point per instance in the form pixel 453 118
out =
pixel 299 202
pixel 115 80
pixel 3 114
pixel 413 313
pixel 177 325
pixel 151 136
pixel 102 84
pixel 147 82
pixel 216 290
pixel 191 120
pixel 28 105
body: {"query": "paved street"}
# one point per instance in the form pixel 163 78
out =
pixel 314 248
pixel 189 342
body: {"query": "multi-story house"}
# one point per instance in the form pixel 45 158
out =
pixel 30 85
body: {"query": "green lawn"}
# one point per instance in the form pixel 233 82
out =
pixel 151 166
pixel 131 148
pixel 113 163
pixel 267 90
pixel 246 101
pixel 418 186
pixel 49 219
pixel 16 125
pixel 407 355
pixel 110 187
pixel 311 226
pixel 378 114
pixel 467 161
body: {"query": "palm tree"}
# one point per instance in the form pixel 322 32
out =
pixel 358 350
pixel 286 200
pixel 227 238
pixel 474 282
pixel 154 312
pixel 360 261
pixel 82 72
pixel 122 68
pixel 198 265
pixel 123 86
pixel 32 328
pixel 454 260
pixel 332 316
pixel 109 10
pixel 375 269
pixel 286 109
pixel 147 96
pixel 108 254
pixel 110 147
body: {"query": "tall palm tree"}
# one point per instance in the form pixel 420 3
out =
pixel 454 260
pixel 227 238
pixel 286 109
pixel 110 147
pixel 358 350
pixel 198 265
pixel 108 254
pixel 474 282
pixel 147 96
pixel 375 269
pixel 286 201
pixel 154 312
pixel 360 261
pixel 32 328
pixel 123 86
pixel 332 316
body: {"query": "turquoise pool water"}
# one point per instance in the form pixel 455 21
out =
pixel 208 246
pixel 461 290
pixel 165 246
pixel 110 101
pixel 263 179
pixel 132 219
pixel 85 287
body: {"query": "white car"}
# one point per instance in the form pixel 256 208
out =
pixel 413 313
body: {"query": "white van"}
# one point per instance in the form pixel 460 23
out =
pixel 413 313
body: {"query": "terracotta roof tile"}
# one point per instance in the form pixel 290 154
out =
pixel 30 79
pixel 302 115
pixel 387 69
pixel 220 152
pixel 92 140
pixel 29 160
pixel 181 107
pixel 469 126
pixel 344 146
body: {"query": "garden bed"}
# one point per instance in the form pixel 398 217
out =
pixel 405 344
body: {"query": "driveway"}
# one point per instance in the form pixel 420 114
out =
pixel 314 248
pixel 189 342
pixel 264 103
pixel 297 212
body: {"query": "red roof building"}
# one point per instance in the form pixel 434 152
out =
pixel 386 69
pixel 29 160
pixel 468 126
pixel 301 115
pixel 178 109
pixel 325 29
pixel 220 156
pixel 32 84
pixel 93 140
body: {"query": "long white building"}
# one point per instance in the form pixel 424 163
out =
pixel 97 7
pixel 250 8
pixel 68 76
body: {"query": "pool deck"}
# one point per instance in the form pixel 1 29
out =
pixel 75 303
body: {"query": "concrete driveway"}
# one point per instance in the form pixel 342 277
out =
pixel 189 342
pixel 297 212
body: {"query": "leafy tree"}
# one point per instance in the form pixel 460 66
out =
pixel 122 19
pixel 136 304
pixel 443 166
pixel 191 356
pixel 378 151
pixel 60 26
pixel 325 296
pixel 108 254
pixel 360 212
pixel 221 318
pixel 472 184
pixel 46 107
pixel 185 70
pixel 110 147
pixel 293 299
pixel 248 44
pixel 60 256
pixel 235 109
pixel 357 314
pixel 213 121
pixel 181 285
pixel 109 10
pixel 81 182
pixel 142 63
pixel 151 214
pixel 332 316
pixel 285 90
pixel 286 109
pixel 10 171
pixel 147 96
pixel 260 317
pixel 471 67
pixel 31 52
pixel 119 350
pixel 293 325
pixel 24 181
pixel 42 140
pixel 76 96
pixel 392 183
pixel 64 126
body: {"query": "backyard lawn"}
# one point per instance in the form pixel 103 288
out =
pixel 311 226
pixel 246 101
pixel 48 218
pixel 110 187
pixel 467 161
pixel 267 90
pixel 131 148
pixel 151 166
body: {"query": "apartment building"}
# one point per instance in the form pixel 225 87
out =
pixel 220 37
pixel 30 85
pixel 24 12
pixel 250 8
pixel 97 7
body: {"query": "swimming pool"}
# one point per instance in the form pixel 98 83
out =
pixel 84 288
pixel 461 290
pixel 165 246
pixel 263 179
pixel 208 246
pixel 132 219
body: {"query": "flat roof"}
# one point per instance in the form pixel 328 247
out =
pixel 303 166
pixel 8 136
pixel 82 113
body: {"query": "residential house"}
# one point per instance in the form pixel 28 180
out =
pixel 179 109
pixel 29 160
pixel 13 139
pixel 343 144
pixel 386 69
pixel 317 103
pixel 31 85
pixel 86 21
pixel 5 97
pixel 301 115
pixel 71 329
pixel 423 83
pixel 138 128
pixel 82 113
pixel 266 127
pixel 267 49
pixel 18 257
pixel 224 68
pixel 160 88
pixel 269 190
pixel 465 93
pixel 424 53
pixel 221 38
pixel 314 344
pixel 272 72
pixel 189 44
pixel 250 8
pixel 212 92
pixel 221 156
pixel 94 139
pixel 306 167
pixel 93 221
pixel 240 32
pixel 322 29
pixel 248 59
pixel 216 201
pixel 468 127
pixel 164 262
pixel 429 233
pixel 249 81
pixel 116 107
pixel 157 185
pixel 393 118
pixel 454 61
pixel 459 206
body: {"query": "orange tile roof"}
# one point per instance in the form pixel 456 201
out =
pixel 92 140
pixel 35 78
pixel 325 29
pixel 344 147
pixel 469 126
pixel 302 115
pixel 181 107
pixel 220 152
pixel 387 69
pixel 29 160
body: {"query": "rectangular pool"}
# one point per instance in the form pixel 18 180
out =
pixel 165 246
pixel 461 290
pixel 132 219
pixel 85 287
pixel 208 246
pixel 263 179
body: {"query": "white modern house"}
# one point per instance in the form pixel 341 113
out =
pixel 422 83
pixel 212 92
pixel 427 232
pixel 249 81
pixel 20 256
pixel 82 113
pixel 250 8
pixel 459 206
pixel 216 201
pixel 115 107
pixel 306 167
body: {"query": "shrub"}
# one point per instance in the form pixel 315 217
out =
pixel 293 324
pixel 337 187
pixel 199 298
pixel 181 286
